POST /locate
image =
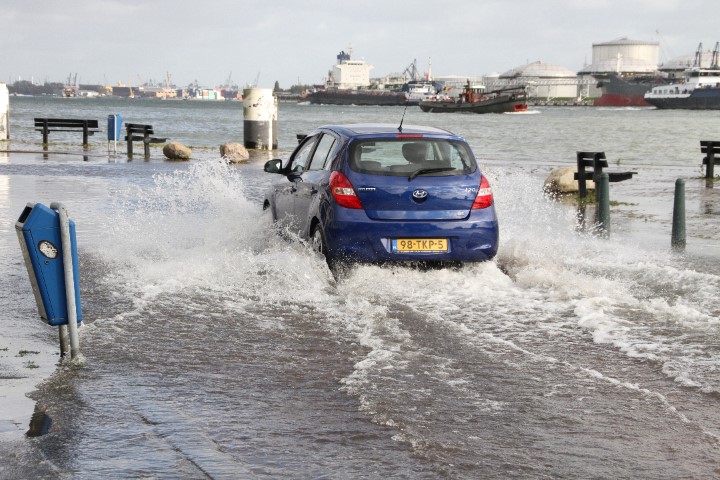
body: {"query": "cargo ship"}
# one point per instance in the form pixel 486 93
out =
pixel 348 83
pixel 346 96
pixel 625 90
pixel 700 89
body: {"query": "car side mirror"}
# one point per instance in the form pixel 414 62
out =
pixel 273 166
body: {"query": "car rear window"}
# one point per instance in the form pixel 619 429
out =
pixel 403 157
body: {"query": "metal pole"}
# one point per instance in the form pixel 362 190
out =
pixel 603 190
pixel 69 280
pixel 64 347
pixel 678 225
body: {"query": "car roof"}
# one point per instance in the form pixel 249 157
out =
pixel 370 129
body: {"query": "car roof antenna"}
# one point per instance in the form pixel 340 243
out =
pixel 403 117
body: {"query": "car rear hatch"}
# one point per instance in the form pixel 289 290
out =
pixel 426 179
pixel 424 198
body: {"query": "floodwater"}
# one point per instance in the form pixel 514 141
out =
pixel 215 349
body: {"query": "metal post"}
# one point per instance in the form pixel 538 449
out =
pixel 598 159
pixel 69 280
pixel 64 347
pixel 603 189
pixel 678 225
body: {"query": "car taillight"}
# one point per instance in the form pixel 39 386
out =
pixel 343 191
pixel 484 196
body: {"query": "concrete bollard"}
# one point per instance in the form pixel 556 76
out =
pixel 4 112
pixel 603 193
pixel 678 224
pixel 260 113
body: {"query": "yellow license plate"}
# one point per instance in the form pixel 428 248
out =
pixel 420 245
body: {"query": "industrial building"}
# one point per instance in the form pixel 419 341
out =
pixel 544 80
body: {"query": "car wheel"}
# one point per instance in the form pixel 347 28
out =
pixel 317 241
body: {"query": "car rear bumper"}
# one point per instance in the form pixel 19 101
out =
pixel 352 236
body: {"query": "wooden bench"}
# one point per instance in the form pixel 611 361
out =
pixel 711 149
pixel 47 125
pixel 137 132
pixel 597 161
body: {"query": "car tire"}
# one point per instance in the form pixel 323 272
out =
pixel 319 245
pixel 317 241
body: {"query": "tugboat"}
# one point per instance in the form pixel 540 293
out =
pixel 699 91
pixel 476 100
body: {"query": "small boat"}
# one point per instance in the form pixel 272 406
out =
pixel 476 100
pixel 419 90
pixel 699 91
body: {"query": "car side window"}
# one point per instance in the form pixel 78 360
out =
pixel 322 152
pixel 300 160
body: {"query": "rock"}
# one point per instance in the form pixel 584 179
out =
pixel 562 180
pixel 176 151
pixel 234 152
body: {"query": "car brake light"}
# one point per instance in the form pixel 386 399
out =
pixel 343 191
pixel 484 196
pixel 409 135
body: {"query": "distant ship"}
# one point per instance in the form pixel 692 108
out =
pixel 700 89
pixel 419 90
pixel 476 100
pixel 345 96
pixel 625 90
pixel 347 85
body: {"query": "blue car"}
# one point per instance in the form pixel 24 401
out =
pixel 376 193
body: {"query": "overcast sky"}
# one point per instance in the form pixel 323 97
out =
pixel 111 41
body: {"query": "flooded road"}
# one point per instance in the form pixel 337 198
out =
pixel 215 349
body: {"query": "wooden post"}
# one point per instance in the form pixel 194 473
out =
pixel 582 188
pixel 85 133
pixel 129 141
pixel 710 169
pixel 146 143
pixel 45 131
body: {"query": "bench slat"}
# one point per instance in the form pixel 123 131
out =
pixel 62 122
pixel 90 132
pixel 150 139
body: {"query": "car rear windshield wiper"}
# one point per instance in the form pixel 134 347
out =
pixel 423 171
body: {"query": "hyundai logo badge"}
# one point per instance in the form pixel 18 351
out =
pixel 419 194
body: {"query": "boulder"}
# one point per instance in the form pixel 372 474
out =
pixel 234 152
pixel 176 151
pixel 562 180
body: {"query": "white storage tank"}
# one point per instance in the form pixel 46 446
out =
pixel 639 51
pixel 544 79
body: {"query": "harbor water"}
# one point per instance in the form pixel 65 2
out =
pixel 214 348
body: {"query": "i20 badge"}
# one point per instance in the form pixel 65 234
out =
pixel 419 194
